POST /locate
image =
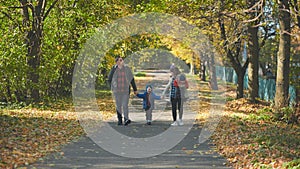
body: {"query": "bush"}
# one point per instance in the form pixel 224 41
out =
pixel 140 74
pixel 262 114
pixel 286 114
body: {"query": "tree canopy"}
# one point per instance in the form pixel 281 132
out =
pixel 41 39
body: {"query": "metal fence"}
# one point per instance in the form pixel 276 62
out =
pixel 267 87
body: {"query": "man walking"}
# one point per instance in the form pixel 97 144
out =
pixel 120 78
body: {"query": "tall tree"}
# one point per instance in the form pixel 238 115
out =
pixel 232 44
pixel 254 11
pixel 40 47
pixel 34 14
pixel 223 18
pixel 233 56
pixel 283 57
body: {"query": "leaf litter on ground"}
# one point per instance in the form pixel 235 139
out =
pixel 245 136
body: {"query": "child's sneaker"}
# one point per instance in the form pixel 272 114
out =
pixel 148 122
pixel 180 122
pixel 174 123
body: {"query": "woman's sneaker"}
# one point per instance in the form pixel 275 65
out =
pixel 174 123
pixel 180 122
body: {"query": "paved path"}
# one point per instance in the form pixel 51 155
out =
pixel 186 153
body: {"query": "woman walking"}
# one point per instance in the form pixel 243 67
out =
pixel 175 97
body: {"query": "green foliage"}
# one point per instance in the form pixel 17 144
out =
pixel 292 164
pixel 272 137
pixel 103 93
pixel 264 114
pixel 151 6
pixel 140 74
pixel 286 114
pixel 295 71
pixel 14 105
pixel 65 31
pixel 12 62
pixel 287 111
pixel 152 51
pixel 260 117
pixel 70 23
pixel 230 98
pixel 268 53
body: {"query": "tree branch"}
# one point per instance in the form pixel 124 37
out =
pixel 266 36
pixel 40 8
pixel 225 45
pixel 256 8
pixel 296 9
pixel 246 64
pixel 251 9
pixel 25 12
pixel 254 19
pixel 9 17
pixel 48 11
pixel 13 7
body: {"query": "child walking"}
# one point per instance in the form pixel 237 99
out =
pixel 148 102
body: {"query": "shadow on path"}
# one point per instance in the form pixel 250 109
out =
pixel 84 153
pixel 188 153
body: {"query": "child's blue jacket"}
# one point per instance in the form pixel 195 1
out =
pixel 153 97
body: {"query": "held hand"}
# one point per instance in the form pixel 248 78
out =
pixel 135 92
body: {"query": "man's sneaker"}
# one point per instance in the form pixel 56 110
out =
pixel 180 122
pixel 174 123
pixel 127 122
pixel 120 123
pixel 149 123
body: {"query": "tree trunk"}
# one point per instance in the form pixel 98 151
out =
pixel 212 72
pixel 240 85
pixel 192 68
pixel 33 23
pixel 283 57
pixel 9 95
pixel 34 54
pixel 253 63
pixel 253 51
pixel 202 72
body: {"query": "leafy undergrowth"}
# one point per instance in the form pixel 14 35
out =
pixel 249 137
pixel 28 133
